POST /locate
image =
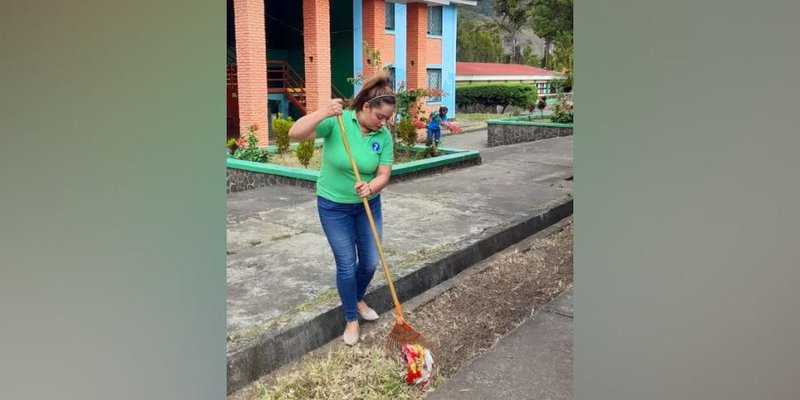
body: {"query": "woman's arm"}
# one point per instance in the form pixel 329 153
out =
pixel 377 184
pixel 304 128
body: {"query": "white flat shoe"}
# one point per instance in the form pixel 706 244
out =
pixel 369 315
pixel 349 338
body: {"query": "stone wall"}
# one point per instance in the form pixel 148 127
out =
pixel 502 134
pixel 239 180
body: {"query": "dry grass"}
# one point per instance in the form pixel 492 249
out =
pixel 289 159
pixel 284 236
pixel 359 372
pixel 418 257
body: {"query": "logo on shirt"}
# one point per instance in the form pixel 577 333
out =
pixel 376 147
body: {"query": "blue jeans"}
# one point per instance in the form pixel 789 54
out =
pixel 435 134
pixel 350 237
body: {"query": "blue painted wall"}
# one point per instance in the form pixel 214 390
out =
pixel 448 66
pixel 400 40
pixel 283 108
pixel 449 14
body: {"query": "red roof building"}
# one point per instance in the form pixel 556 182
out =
pixel 472 72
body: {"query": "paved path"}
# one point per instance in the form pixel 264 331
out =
pixel 534 361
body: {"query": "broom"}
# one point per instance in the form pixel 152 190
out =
pixel 402 333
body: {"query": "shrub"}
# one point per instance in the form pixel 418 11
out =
pixel 563 111
pixel 232 145
pixel 410 103
pixel 281 126
pixel 407 132
pixel 304 151
pixel 431 150
pixel 483 97
pixel 249 151
pixel 540 105
pixel 562 85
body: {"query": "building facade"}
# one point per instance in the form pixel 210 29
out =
pixel 292 57
pixel 468 73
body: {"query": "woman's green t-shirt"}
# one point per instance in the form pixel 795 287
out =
pixel 336 179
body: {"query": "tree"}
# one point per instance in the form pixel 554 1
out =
pixel 530 58
pixel 511 16
pixel 477 42
pixel 551 17
pixel 563 56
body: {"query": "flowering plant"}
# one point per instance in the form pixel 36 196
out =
pixel 564 111
pixel 249 151
pixel 453 127
pixel 409 102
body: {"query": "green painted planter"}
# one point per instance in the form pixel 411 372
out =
pixel 245 175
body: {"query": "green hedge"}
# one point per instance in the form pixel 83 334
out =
pixel 480 98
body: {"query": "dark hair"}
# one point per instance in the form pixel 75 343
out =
pixel 442 109
pixel 376 91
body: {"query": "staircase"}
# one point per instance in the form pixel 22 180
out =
pixel 281 79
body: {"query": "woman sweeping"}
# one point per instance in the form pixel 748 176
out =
pixel 341 210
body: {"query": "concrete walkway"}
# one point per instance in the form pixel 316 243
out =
pixel 281 298
pixel 534 361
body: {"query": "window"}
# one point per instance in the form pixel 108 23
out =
pixel 389 16
pixel 435 82
pixel 393 77
pixel 541 87
pixel 435 20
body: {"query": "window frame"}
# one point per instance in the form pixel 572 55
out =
pixel 428 71
pixel 390 6
pixel 431 20
pixel 392 71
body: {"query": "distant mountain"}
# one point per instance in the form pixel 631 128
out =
pixel 485 7
pixel 473 14
pixel 484 11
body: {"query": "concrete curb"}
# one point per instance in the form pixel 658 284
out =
pixel 473 128
pixel 470 129
pixel 272 350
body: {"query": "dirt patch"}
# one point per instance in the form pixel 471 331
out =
pixel 492 299
pixel 468 319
